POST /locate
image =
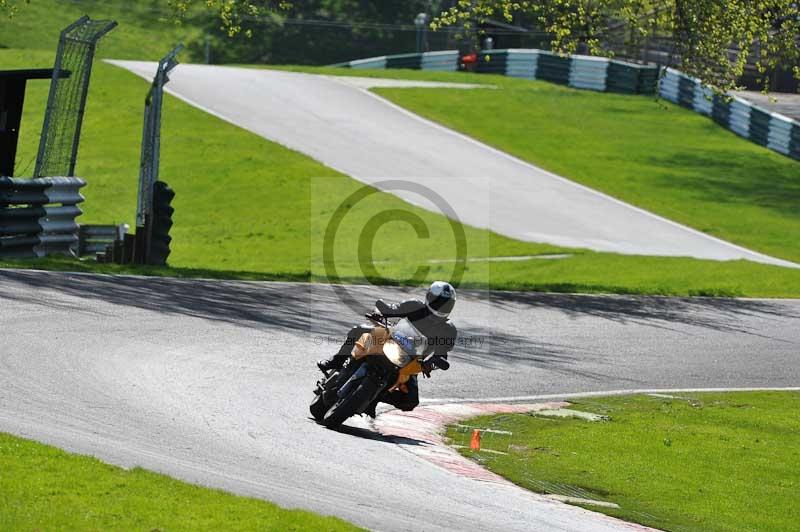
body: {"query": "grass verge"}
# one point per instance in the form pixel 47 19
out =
pixel 699 461
pixel 652 154
pixel 647 152
pixel 44 488
pixel 247 208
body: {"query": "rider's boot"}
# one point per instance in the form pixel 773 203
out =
pixel 333 363
pixel 338 360
pixel 370 411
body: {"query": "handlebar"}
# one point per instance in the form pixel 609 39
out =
pixel 377 318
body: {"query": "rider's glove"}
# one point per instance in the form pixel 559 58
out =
pixel 441 363
pixel 427 367
pixel 375 315
pixel 434 362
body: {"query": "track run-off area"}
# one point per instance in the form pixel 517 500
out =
pixel 340 123
pixel 209 381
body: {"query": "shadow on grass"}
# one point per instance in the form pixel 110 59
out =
pixel 734 177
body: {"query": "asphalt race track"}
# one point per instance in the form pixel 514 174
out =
pixel 341 124
pixel 209 381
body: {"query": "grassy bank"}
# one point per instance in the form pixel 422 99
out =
pixel 650 153
pixel 700 461
pixel 249 208
pixel 44 488
pixel 146 29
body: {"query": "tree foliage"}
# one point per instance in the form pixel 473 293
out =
pixel 312 32
pixel 712 39
pixel 231 13
pixel 9 7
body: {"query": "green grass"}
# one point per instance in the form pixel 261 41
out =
pixel 249 208
pixel 146 29
pixel 700 461
pixel 653 154
pixel 648 152
pixel 242 203
pixel 44 488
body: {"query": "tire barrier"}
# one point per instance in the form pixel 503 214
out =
pixel 446 61
pixel 772 130
pixel 37 216
pixel 579 71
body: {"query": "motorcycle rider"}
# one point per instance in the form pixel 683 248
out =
pixel 430 318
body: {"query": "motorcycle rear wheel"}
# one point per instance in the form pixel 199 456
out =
pixel 348 406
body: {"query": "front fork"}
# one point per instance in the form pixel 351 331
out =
pixel 329 386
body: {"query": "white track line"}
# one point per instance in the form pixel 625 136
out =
pixel 767 258
pixel 577 395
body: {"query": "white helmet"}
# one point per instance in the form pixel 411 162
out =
pixel 441 298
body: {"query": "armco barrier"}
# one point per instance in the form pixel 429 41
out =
pixel 371 62
pixel 579 71
pixel 412 61
pixel 93 239
pixel 522 63
pixel 37 216
pixel 588 72
pixel 446 61
pixel 773 130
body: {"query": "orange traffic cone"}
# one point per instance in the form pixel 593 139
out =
pixel 475 442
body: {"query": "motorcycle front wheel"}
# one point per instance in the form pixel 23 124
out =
pixel 318 408
pixel 350 404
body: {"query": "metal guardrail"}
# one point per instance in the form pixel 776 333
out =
pixel 579 71
pixel 94 239
pixel 31 224
pixel 772 130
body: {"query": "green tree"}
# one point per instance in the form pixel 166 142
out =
pixel 712 39
pixel 312 32
pixel 9 7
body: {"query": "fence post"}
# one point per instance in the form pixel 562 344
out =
pixel 150 155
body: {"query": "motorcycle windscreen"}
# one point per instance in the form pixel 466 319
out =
pixel 409 338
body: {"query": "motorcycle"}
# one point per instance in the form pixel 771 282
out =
pixel 383 360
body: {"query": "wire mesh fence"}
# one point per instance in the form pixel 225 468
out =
pixel 151 135
pixel 58 145
pixel 153 210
